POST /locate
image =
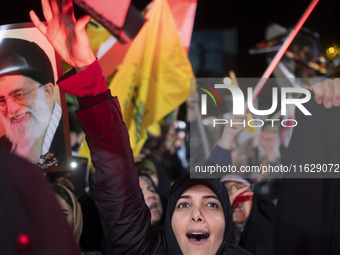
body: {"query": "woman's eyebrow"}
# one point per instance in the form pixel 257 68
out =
pixel 204 197
pixel 184 196
pixel 210 196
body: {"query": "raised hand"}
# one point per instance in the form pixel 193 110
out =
pixel 230 132
pixel 244 192
pixel 66 34
pixel 268 141
pixel 327 92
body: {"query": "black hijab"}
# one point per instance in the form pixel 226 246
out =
pixel 227 247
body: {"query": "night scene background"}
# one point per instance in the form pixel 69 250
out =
pixel 224 31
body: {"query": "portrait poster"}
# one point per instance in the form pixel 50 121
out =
pixel 33 111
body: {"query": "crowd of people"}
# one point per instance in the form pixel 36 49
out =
pixel 148 204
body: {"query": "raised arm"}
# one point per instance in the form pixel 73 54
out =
pixel 125 217
pixel 221 154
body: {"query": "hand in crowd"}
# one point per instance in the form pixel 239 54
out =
pixel 268 141
pixel 192 102
pixel 230 132
pixel 171 139
pixel 139 158
pixel 66 34
pixel 327 92
pixel 243 192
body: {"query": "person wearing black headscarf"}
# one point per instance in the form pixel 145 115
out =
pixel 153 201
pixel 171 245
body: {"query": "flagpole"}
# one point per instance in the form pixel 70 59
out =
pixel 283 49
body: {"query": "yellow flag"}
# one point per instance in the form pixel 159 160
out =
pixel 97 34
pixel 154 77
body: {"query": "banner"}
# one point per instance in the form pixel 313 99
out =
pixel 154 77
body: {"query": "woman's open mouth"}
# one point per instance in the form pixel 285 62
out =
pixel 198 237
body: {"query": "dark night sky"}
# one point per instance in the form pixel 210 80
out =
pixel 249 16
pixel 218 14
pixel 224 13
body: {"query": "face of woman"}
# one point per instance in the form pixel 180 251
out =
pixel 152 200
pixel 67 210
pixel 198 221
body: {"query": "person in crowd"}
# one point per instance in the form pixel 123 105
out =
pixel 198 218
pixel 225 152
pixel 241 207
pixel 267 185
pixel 269 149
pixel 152 200
pixel 163 154
pixel 151 161
pixel 71 209
pixel 253 227
pixel 307 220
pixel 76 132
pixel 31 116
pixel 92 237
pixel 31 220
pixel 252 217
pixel 175 152
pixel 145 166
